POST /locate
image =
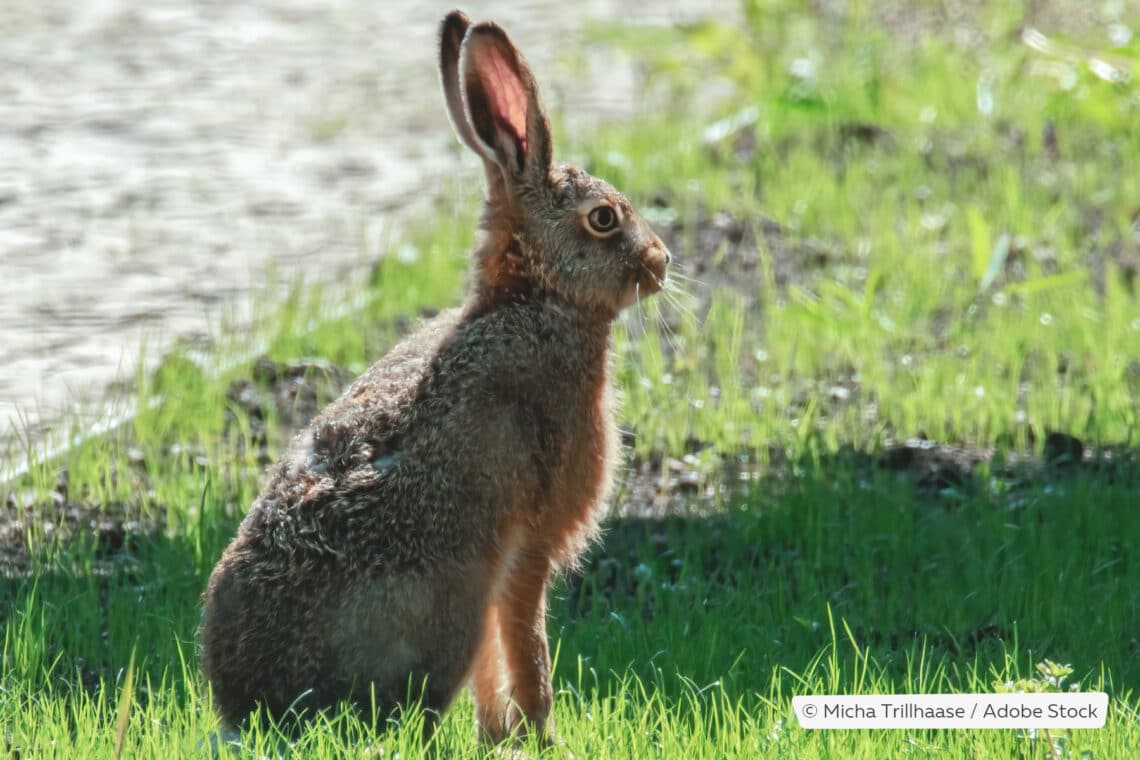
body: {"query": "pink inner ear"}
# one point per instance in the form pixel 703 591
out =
pixel 508 99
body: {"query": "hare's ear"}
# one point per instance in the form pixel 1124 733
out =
pixel 451 34
pixel 502 104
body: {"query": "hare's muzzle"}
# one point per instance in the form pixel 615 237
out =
pixel 654 265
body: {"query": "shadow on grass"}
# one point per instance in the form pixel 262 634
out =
pixel 924 551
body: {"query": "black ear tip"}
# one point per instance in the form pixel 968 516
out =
pixel 455 23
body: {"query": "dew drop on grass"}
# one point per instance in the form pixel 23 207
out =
pixel 1107 71
pixel 803 68
pixel 985 96
pixel 1119 34
pixel 408 254
pixel 933 221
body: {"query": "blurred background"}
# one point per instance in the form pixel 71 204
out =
pixel 158 159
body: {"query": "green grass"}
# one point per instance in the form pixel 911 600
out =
pixel 914 299
pixel 973 286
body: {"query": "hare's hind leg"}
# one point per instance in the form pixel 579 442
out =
pixel 451 637
pixel 410 637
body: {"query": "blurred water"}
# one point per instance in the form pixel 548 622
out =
pixel 155 158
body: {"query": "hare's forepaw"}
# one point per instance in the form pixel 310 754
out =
pixel 513 729
pixel 536 721
pixel 493 729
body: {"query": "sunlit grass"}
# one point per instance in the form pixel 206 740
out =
pixel 977 214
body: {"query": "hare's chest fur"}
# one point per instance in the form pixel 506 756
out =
pixel 580 491
pixel 558 408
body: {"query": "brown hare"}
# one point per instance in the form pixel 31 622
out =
pixel 407 538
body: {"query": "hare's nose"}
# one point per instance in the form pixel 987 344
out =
pixel 657 258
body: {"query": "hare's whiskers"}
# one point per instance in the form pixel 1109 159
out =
pixel 684 310
pixel 668 288
pixel 679 275
pixel 670 336
pixel 668 332
pixel 640 305
pixel 685 286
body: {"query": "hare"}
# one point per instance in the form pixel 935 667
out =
pixel 403 545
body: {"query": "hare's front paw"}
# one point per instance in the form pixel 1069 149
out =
pixel 529 714
pixel 510 730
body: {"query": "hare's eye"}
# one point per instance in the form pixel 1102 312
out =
pixel 602 220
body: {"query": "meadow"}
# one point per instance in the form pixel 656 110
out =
pixel 881 430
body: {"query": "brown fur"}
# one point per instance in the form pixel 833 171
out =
pixel 408 536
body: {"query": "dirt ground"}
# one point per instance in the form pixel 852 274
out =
pixel 156 159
